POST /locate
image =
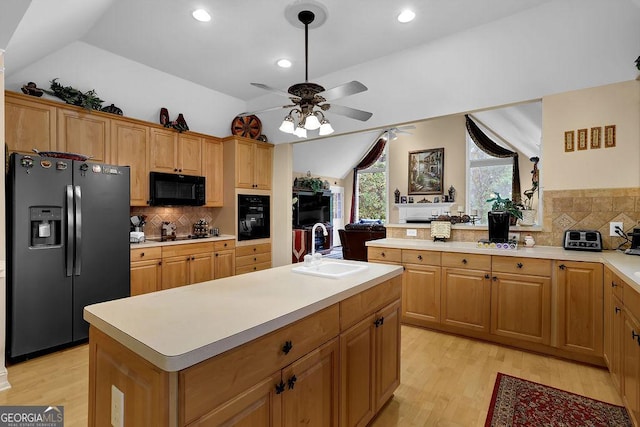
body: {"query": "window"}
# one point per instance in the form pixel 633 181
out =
pixel 486 175
pixel 372 190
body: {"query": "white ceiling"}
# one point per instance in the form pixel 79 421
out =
pixel 246 37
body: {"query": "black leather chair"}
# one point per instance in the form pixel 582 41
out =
pixel 354 236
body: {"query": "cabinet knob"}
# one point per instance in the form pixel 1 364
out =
pixel 255 249
pixel 495 278
pixel 379 322
pixel 382 254
pixel 179 170
pixel 486 276
pixel 617 310
pixel 291 382
pixel 613 284
pixel 141 254
pixel 280 387
pixel 562 266
pixel 159 262
pixel 225 245
pixel 464 260
pixel 255 259
pixel 175 169
pixel 420 257
pixel 192 258
pixel 635 336
pixel 286 348
pixel 216 255
pixel 188 258
pixel 519 265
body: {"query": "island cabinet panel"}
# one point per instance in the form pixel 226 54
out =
pixel 387 375
pixel 209 384
pixel 145 386
pixel 355 308
pixel 29 124
pixel 580 307
pixel 521 299
pixel 84 133
pixel 466 299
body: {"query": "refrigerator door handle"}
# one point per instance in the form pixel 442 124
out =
pixel 69 242
pixel 78 231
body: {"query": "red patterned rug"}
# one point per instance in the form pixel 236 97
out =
pixel 518 403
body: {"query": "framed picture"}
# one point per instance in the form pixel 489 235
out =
pixel 609 136
pixel 596 137
pixel 568 140
pixel 582 139
pixel 426 171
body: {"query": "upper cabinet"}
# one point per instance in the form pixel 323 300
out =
pixel 29 124
pixel 212 170
pixel 130 147
pixel 172 152
pixel 79 131
pixel 253 162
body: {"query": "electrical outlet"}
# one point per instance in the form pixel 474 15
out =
pixel 514 236
pixel 412 232
pixel 117 407
pixel 612 228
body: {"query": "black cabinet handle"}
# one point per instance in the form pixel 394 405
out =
pixel 291 382
pixel 519 265
pixel 379 322
pixel 420 257
pixel 225 245
pixel 175 169
pixel 286 348
pixel 255 259
pixel 216 254
pixel 634 335
pixel 495 278
pixel 280 387
pixel 159 262
pixel 142 254
pixel 486 276
pixel 192 258
pixel 562 266
pixel 464 260
pixel 617 310
pixel 383 254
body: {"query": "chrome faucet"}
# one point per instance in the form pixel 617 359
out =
pixel 313 235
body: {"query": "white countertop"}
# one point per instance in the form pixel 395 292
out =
pixel 153 243
pixel 177 328
pixel 624 265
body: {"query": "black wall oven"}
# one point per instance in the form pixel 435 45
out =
pixel 253 217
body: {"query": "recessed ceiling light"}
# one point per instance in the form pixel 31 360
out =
pixel 406 16
pixel 201 15
pixel 284 63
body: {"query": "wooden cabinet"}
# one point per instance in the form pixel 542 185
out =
pixel 187 264
pixel 466 292
pixel 146 270
pixel 613 325
pixel 171 152
pixel 580 307
pixel 29 124
pixel 521 298
pixel 421 287
pixel 224 261
pixel 130 147
pixel 631 364
pixel 80 131
pixel 384 255
pixel 212 164
pixel 370 359
pixel 253 162
pixel 253 257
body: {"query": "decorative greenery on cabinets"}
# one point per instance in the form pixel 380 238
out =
pixel 314 184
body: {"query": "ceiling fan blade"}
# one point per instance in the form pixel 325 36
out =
pixel 271 89
pixel 343 90
pixel 350 112
pixel 250 113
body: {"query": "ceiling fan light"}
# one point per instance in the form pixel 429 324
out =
pixel 284 63
pixel 325 128
pixel 300 132
pixel 406 16
pixel 312 122
pixel 201 15
pixel 287 125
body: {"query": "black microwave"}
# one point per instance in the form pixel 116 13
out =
pixel 169 189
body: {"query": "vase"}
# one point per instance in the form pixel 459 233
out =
pixel 498 226
pixel 528 217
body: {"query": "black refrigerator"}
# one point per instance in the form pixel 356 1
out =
pixel 67 247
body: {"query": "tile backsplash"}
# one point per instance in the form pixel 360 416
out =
pixel 184 217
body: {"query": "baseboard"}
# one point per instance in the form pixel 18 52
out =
pixel 4 379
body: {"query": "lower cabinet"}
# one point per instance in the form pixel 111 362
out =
pixel 253 258
pixel 631 364
pixel 186 269
pixel 370 359
pixel 146 270
pixel 421 294
pixel 224 259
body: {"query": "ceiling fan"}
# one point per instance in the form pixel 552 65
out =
pixel 393 132
pixel 309 100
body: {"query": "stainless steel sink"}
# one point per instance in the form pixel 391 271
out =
pixel 330 269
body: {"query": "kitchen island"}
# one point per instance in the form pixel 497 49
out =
pixel 268 348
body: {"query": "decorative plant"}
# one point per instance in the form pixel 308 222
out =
pixel 505 205
pixel 314 184
pixel 527 201
pixel 88 100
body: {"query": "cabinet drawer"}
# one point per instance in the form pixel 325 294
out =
pixel 187 249
pixel 631 300
pixel 515 265
pixel 223 244
pixel 241 261
pixel 355 308
pixel 253 249
pixel 384 254
pixel 212 382
pixel 617 286
pixel 253 267
pixel 472 261
pixel 410 256
pixel 141 254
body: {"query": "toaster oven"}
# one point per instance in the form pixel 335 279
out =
pixel 583 240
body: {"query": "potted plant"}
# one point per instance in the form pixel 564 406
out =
pixel 503 212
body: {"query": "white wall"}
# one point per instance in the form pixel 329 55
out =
pixel 140 91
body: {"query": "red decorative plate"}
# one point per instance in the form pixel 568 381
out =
pixel 247 126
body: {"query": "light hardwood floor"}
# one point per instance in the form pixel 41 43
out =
pixel 446 380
